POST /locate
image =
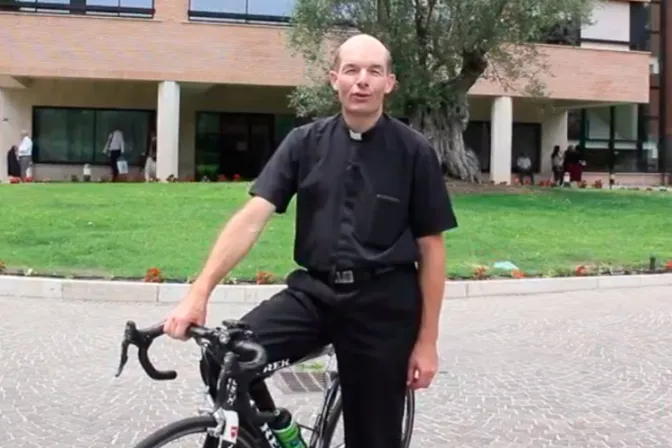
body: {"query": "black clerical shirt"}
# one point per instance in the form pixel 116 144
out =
pixel 362 199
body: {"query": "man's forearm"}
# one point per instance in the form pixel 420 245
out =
pixel 432 285
pixel 234 242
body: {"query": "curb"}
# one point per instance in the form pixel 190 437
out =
pixel 118 291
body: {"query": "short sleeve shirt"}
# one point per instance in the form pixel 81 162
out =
pixel 362 200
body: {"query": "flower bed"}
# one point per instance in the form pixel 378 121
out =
pixel 154 274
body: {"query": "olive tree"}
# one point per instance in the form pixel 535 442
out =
pixel 440 49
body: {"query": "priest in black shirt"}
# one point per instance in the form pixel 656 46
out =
pixel 372 207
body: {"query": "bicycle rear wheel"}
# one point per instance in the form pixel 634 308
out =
pixel 170 436
pixel 336 412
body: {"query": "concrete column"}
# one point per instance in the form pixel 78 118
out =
pixel 168 130
pixel 553 132
pixel 501 129
pixel 9 129
pixel 4 140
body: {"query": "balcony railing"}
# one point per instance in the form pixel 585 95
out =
pixel 118 8
pixel 270 11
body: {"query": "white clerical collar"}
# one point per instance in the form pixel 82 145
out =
pixel 355 135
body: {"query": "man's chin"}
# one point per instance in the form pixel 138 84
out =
pixel 361 109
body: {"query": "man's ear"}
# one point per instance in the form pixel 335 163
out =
pixel 333 77
pixel 391 83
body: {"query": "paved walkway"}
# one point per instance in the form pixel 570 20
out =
pixel 577 369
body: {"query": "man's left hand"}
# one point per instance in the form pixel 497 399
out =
pixel 422 365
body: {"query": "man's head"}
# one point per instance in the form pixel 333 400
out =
pixel 362 74
pixel 24 133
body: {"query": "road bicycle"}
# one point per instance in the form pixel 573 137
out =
pixel 234 370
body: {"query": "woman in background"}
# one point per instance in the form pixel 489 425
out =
pixel 558 165
pixel 13 167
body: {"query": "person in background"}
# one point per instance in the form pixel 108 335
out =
pixel 25 153
pixel 573 164
pixel 557 164
pixel 114 148
pixel 150 162
pixel 13 167
pixel 524 166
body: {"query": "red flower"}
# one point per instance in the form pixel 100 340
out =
pixel 222 178
pixel 14 180
pixel 153 275
pixel 517 273
pixel 668 266
pixel 264 278
pixel 236 177
pixel 580 271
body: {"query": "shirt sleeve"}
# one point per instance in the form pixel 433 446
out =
pixel 277 182
pixel 431 208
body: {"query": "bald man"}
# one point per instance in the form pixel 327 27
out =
pixel 371 210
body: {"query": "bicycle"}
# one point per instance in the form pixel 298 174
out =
pixel 240 404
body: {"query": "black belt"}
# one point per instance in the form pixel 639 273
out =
pixel 354 275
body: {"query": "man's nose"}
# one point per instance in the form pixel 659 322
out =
pixel 363 78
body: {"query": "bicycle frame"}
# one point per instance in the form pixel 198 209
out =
pixel 234 396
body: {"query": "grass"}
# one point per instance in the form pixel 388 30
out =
pixel 124 229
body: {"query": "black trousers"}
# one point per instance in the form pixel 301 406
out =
pixel 114 157
pixel 373 326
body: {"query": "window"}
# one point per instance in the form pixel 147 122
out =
pixel 617 138
pixel 229 144
pixel 244 10
pixel 78 136
pixel 123 8
pixel 477 138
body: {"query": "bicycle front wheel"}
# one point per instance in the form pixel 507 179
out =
pixel 193 433
pixel 335 413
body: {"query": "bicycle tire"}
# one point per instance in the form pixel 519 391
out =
pixel 335 412
pixel 195 425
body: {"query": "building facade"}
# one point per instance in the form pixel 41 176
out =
pixel 211 78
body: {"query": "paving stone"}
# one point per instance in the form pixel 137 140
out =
pixel 580 369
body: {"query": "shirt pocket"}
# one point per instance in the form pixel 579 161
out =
pixel 382 221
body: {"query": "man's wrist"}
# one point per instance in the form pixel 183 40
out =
pixel 201 289
pixel 428 336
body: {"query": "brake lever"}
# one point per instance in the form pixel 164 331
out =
pixel 143 340
pixel 124 357
pixel 130 337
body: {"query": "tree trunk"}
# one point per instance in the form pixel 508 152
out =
pixel 444 129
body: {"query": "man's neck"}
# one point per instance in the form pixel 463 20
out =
pixel 361 123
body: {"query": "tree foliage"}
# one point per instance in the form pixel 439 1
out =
pixel 439 47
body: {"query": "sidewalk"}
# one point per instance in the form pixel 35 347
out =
pixel 119 291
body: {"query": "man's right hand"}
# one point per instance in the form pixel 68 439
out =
pixel 192 310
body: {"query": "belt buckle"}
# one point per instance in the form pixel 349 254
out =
pixel 344 277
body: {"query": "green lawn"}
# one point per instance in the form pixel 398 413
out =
pixel 124 229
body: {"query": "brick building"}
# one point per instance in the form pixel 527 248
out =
pixel 211 78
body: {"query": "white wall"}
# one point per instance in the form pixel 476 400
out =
pixel 610 22
pixel 553 132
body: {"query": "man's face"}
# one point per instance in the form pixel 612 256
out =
pixel 362 78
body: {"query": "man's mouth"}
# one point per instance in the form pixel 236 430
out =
pixel 361 96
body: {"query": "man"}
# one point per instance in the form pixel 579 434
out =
pixel 114 148
pixel 25 154
pixel 524 166
pixel 371 203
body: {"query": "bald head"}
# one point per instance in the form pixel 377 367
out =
pixel 363 44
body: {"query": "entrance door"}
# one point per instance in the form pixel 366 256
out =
pixel 234 145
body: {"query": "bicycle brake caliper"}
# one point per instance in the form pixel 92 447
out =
pixel 227 427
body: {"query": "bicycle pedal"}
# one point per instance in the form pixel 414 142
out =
pixel 292 382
